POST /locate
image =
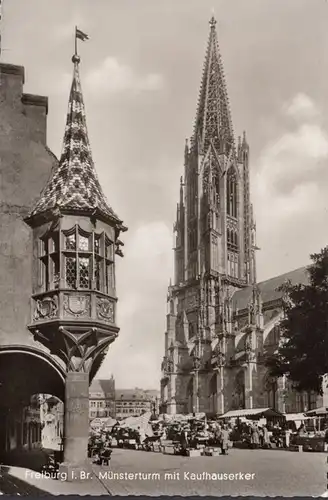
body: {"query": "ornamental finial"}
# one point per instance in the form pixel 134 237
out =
pixel 76 59
pixel 213 20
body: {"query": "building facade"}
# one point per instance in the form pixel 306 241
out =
pixel 102 399
pixel 221 323
pixel 60 239
pixel 135 402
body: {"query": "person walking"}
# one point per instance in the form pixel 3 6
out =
pixel 266 437
pixel 255 441
pixel 184 442
pixel 224 440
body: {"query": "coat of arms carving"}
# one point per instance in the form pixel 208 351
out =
pixel 105 309
pixel 46 308
pixel 77 305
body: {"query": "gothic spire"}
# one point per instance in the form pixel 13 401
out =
pixel 74 184
pixel 213 119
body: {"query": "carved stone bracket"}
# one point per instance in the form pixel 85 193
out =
pixel 81 350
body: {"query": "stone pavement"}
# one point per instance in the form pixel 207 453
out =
pixel 19 480
pixel 271 473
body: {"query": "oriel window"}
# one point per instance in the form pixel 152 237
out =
pixel 87 261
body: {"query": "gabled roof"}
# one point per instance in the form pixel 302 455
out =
pixel 213 119
pixel 268 288
pixel 105 387
pixel 133 395
pixel 74 184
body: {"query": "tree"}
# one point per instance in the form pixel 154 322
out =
pixel 302 354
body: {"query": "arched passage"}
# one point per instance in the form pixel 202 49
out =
pixel 24 372
pixel 270 385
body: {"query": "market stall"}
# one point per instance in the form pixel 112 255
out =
pixel 269 414
pixel 313 435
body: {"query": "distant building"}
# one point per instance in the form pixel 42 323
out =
pixel 102 398
pixel 135 402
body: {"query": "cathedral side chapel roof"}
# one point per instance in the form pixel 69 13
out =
pixel 268 288
pixel 74 184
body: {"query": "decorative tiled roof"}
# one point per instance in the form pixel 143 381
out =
pixel 268 288
pixel 74 184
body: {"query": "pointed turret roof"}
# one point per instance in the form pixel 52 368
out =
pixel 213 120
pixel 73 183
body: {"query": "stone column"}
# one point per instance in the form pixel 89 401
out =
pixel 220 390
pixel 249 385
pixel 281 394
pixel 172 401
pixel 195 402
pixel 76 431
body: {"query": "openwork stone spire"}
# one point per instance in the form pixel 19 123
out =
pixel 74 184
pixel 213 120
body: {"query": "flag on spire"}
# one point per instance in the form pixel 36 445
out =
pixel 80 34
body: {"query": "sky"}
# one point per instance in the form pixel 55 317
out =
pixel 140 72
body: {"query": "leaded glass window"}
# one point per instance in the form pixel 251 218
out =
pixel 84 272
pixel 70 272
pixel 83 243
pixel 94 260
pixel 71 242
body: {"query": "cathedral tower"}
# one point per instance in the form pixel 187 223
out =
pixel 215 243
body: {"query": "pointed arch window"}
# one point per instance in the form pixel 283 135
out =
pixel 232 240
pixel 231 193
pixel 78 258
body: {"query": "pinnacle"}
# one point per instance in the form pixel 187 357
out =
pixel 213 119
